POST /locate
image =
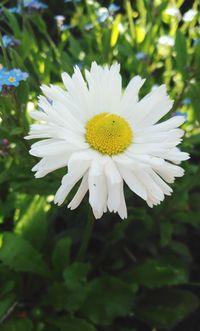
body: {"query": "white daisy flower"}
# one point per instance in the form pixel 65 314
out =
pixel 106 138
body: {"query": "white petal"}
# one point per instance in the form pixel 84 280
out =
pixel 78 93
pixel 104 88
pixel 82 190
pixel 54 147
pixel 164 187
pixel 113 184
pixel 97 188
pixel 77 167
pixel 130 96
pixel 152 107
pixel 169 171
pixel 152 188
pixel 122 211
pixel 165 126
pixel 49 164
pixel 133 182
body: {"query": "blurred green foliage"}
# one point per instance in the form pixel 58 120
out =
pixel 141 274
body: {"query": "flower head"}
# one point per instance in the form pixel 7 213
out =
pixel 12 77
pixel 173 11
pixel 35 4
pixel 59 20
pixel 106 138
pixel 75 1
pixel 166 41
pixel 9 41
pixel 15 10
pixel 113 8
pixel 102 14
pixel 141 56
pixel 189 15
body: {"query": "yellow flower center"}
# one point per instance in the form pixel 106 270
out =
pixel 11 79
pixel 108 133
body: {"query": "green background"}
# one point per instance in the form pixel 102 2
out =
pixel 140 274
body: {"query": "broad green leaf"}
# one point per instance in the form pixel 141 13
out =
pixel 166 230
pixel 61 255
pixel 108 298
pixel 181 52
pixel 62 298
pixel 155 273
pixel 6 302
pixel 72 324
pixel 17 325
pixel 40 23
pixel 22 92
pixel 19 255
pixel 75 274
pixel 13 23
pixel 166 307
pixel 33 222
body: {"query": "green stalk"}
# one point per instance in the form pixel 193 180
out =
pixel 4 52
pixel 86 237
pixel 130 18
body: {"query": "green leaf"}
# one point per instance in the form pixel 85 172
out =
pixel 166 230
pixel 6 287
pixel 19 255
pixel 13 23
pixel 61 255
pixel 6 302
pixel 166 307
pixel 181 52
pixel 75 274
pixel 72 324
pixel 107 299
pixel 33 222
pixel 22 92
pixel 61 298
pixel 17 325
pixel 16 131
pixel 40 23
pixel 155 273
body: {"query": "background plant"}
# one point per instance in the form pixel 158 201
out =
pixel 141 274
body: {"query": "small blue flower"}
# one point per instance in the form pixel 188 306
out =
pixel 35 4
pixel 9 41
pixel 12 10
pixel 102 15
pixel 196 41
pixel 12 77
pixel 113 8
pixel 76 1
pixel 186 101
pixel 88 27
pixel 66 27
pixel 141 56
pixel 15 10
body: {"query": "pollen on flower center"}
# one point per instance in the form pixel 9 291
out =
pixel 108 133
pixel 12 79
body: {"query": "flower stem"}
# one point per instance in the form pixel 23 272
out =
pixel 4 51
pixel 86 237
